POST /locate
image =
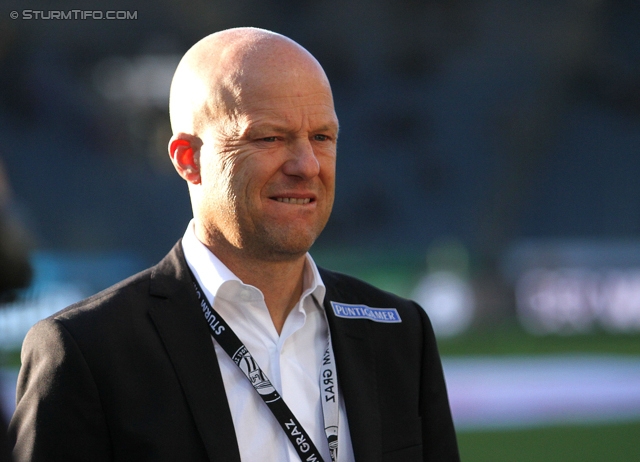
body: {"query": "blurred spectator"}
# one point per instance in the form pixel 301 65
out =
pixel 15 270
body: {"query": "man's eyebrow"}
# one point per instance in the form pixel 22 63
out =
pixel 267 127
pixel 258 129
pixel 328 127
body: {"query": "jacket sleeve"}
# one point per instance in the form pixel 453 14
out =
pixel 438 433
pixel 58 412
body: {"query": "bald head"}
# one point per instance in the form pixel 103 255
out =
pixel 216 74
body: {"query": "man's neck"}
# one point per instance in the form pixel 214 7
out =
pixel 280 282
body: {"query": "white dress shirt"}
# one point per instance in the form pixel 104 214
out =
pixel 291 360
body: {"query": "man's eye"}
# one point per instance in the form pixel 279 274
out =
pixel 269 139
pixel 320 137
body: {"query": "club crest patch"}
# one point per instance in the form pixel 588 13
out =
pixel 345 310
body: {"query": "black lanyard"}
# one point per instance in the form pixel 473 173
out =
pixel 240 355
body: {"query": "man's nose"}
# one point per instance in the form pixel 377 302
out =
pixel 302 160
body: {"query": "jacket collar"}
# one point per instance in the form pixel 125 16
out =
pixel 187 341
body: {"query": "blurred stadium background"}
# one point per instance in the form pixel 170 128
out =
pixel 488 167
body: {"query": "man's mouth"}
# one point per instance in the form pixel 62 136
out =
pixel 293 200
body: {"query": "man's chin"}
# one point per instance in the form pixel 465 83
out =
pixel 289 247
pixel 286 253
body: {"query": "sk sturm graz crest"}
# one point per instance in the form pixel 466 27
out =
pixel 332 437
pixel 260 382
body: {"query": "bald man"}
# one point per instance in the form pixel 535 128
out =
pixel 236 346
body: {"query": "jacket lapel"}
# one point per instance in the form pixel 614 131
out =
pixel 356 376
pixel 186 338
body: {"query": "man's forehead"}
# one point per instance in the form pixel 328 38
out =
pixel 282 99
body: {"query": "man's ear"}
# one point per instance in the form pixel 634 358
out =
pixel 184 150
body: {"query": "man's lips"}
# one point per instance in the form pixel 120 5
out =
pixel 294 200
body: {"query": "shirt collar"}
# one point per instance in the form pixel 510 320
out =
pixel 211 273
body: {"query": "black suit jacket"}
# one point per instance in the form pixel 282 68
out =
pixel 130 374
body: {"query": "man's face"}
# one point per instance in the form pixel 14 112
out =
pixel 268 171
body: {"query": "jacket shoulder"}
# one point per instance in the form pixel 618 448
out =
pixel 133 293
pixel 121 293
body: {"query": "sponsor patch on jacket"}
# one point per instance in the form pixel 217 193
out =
pixel 345 310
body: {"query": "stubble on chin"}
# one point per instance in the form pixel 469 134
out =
pixel 279 245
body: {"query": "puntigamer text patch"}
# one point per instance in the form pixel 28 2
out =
pixel 345 310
